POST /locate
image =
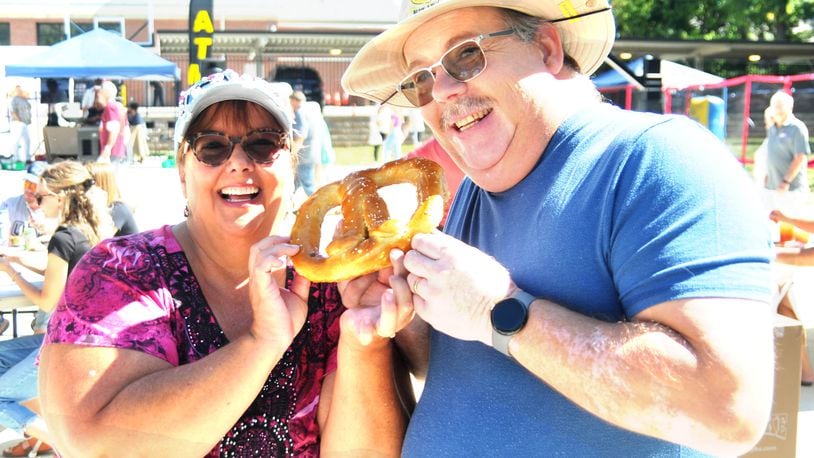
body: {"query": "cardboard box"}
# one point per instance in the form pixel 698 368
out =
pixel 780 439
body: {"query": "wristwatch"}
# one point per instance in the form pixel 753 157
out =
pixel 509 316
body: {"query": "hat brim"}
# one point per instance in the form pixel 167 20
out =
pixel 379 66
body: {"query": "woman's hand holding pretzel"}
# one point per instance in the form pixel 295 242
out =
pixel 379 304
pixel 278 313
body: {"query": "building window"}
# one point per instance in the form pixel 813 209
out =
pixel 49 33
pixel 78 28
pixel 5 34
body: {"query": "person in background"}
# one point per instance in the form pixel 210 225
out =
pixel 384 122
pixel 138 133
pixel 416 125
pixel 215 346
pixel 158 94
pixel 789 306
pixel 320 141
pixel 303 138
pixel 374 136
pixel 113 147
pixel 23 210
pixel 105 176
pixel 66 192
pixel 787 149
pixel 453 175
pixel 91 111
pixel 760 158
pixel 20 122
pixel 391 148
pixel 580 299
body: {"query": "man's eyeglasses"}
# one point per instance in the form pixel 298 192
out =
pixel 214 148
pixel 463 62
pixel 39 197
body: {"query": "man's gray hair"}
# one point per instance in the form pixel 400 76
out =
pixel 526 28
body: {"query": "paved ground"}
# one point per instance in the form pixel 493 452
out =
pixel 156 195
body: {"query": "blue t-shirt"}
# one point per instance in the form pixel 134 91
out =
pixel 623 211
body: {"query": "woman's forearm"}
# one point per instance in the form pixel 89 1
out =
pixel 160 410
pixel 366 415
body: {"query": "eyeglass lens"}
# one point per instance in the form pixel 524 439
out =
pixel 261 146
pixel 463 62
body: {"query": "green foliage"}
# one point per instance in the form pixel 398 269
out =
pixel 763 20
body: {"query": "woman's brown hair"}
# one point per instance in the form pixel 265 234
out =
pixel 82 208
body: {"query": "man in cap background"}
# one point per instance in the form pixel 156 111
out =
pixel 581 300
pixel 23 209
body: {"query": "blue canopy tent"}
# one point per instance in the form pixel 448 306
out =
pixel 615 79
pixel 96 54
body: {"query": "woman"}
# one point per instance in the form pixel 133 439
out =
pixel 105 176
pixel 66 192
pixel 790 301
pixel 198 339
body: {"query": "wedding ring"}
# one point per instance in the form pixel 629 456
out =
pixel 415 285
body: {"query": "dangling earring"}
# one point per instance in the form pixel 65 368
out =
pixel 186 211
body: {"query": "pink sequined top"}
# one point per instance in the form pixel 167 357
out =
pixel 138 292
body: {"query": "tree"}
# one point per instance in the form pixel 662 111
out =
pixel 763 20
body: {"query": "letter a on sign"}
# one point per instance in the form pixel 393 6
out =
pixel 203 23
pixel 200 37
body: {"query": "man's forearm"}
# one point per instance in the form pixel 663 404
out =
pixel 646 377
pixel 794 168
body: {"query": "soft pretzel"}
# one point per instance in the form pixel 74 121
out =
pixel 367 234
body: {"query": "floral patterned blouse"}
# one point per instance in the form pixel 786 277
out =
pixel 138 292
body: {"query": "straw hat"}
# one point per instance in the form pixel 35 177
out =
pixel 379 65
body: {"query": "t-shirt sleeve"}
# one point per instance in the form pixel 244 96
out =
pixel 62 245
pixel 685 223
pixel 801 145
pixel 123 219
pixel 117 297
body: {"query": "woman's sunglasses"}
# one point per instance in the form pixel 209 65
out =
pixel 463 62
pixel 214 148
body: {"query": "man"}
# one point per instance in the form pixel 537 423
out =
pixel 112 126
pixel 158 94
pixel 20 120
pixel 137 144
pixel 23 210
pixel 91 113
pixel 787 149
pixel 301 145
pixel 589 297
